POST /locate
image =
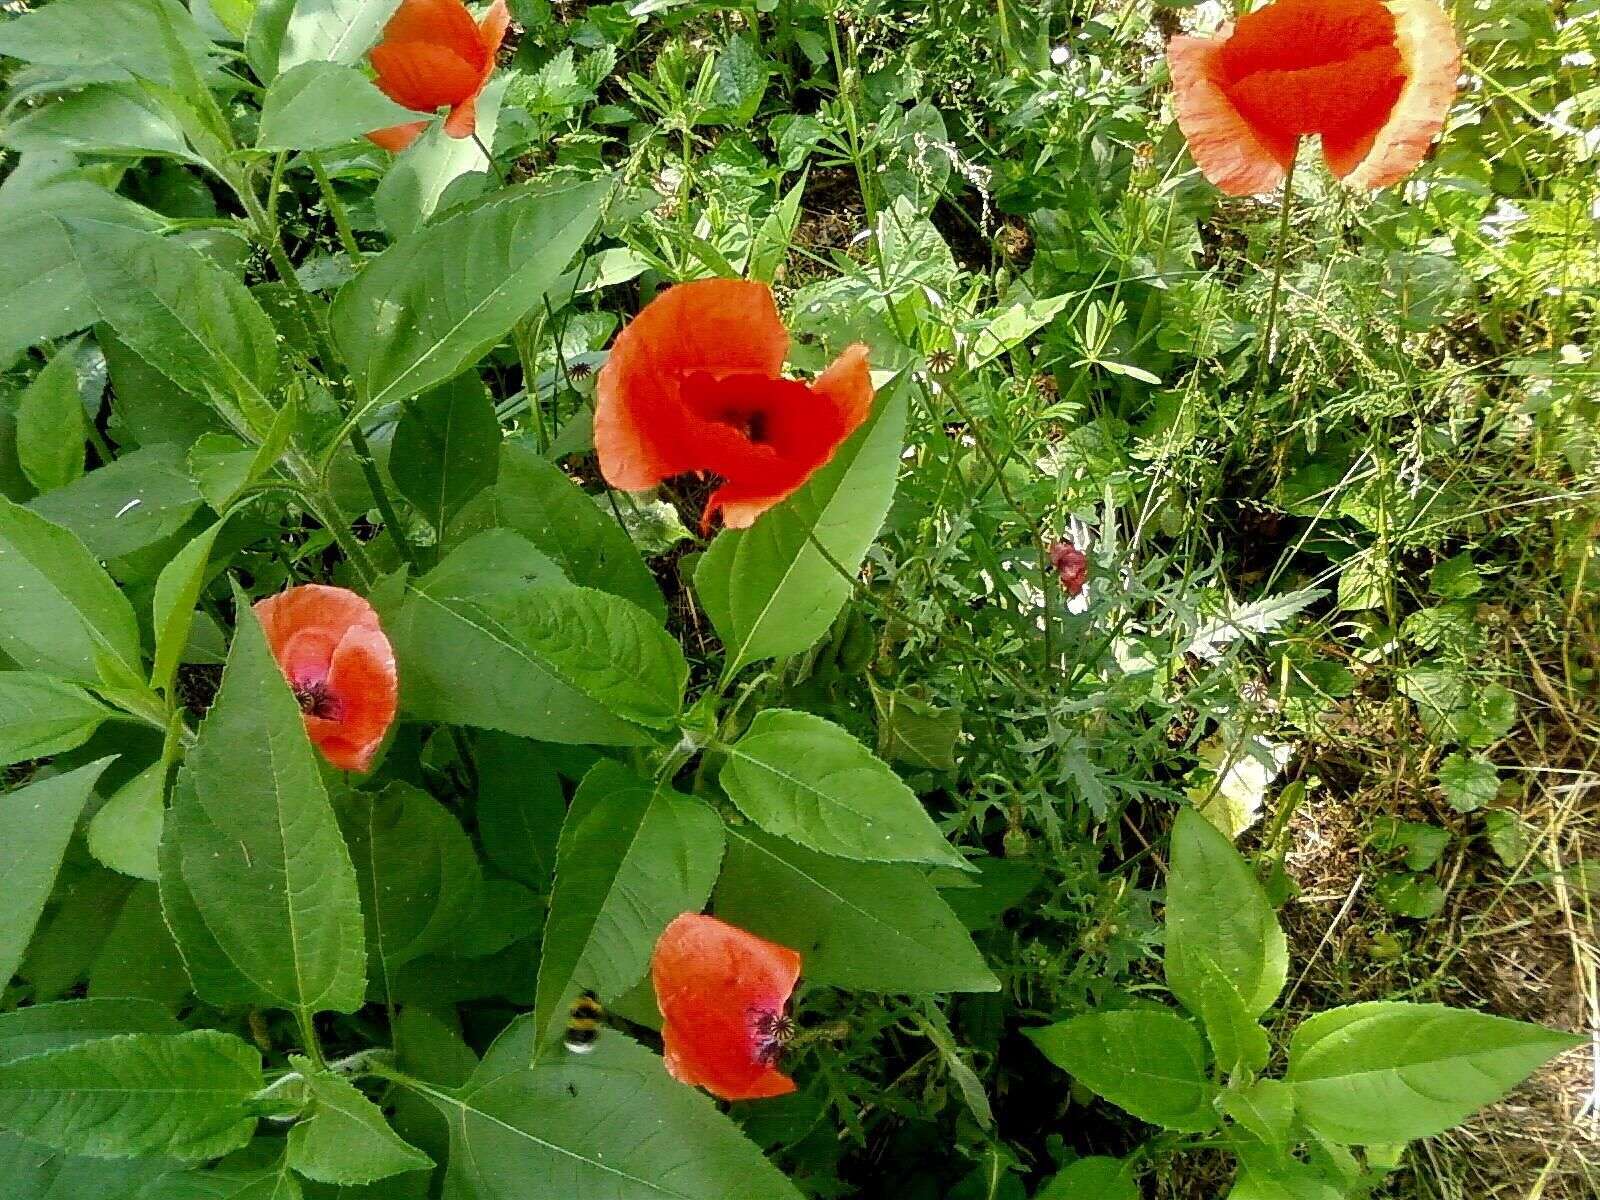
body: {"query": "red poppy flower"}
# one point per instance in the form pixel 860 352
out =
pixel 1375 79
pixel 336 658
pixel 723 994
pixel 694 383
pixel 1071 565
pixel 434 55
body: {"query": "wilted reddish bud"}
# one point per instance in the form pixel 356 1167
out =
pixel 1071 564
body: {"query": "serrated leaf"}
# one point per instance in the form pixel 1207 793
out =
pixel 40 1028
pixel 1149 1062
pixel 340 31
pixel 63 615
pixel 769 590
pixel 318 105
pixel 344 1138
pixel 41 715
pixel 50 425
pixel 33 1172
pixel 1216 908
pixel 1265 1108
pixel 127 505
pixel 177 592
pixel 431 305
pixel 438 172
pixel 112 120
pixel 1093 1178
pixel 446 449
pixel 104 39
pixel 803 778
pixel 259 847
pixel 126 833
pixel 874 926
pixel 1244 620
pixel 418 873
pixel 36 822
pixel 633 855
pixel 182 1095
pixel 515 1131
pixel 1385 1071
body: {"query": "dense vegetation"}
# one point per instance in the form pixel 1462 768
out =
pixel 1197 631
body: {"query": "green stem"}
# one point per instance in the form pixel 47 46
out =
pixel 336 209
pixel 1264 352
pixel 308 1034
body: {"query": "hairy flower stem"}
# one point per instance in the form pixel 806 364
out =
pixel 1264 352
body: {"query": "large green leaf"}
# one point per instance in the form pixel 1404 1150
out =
pixel 633 856
pixel 126 833
pixel 534 497
pixel 183 1095
pixel 51 428
pixel 185 316
pixel 1218 911
pixel 260 849
pixel 42 291
pixel 126 505
pixel 873 926
pixel 32 1172
pixel 1386 1072
pixel 340 31
pixel 1093 1178
pixel 434 303
pixel 544 660
pixel 40 1028
pixel 36 822
pixel 806 779
pixel 345 1139
pixel 446 449
pixel 768 589
pixel 437 171
pixel 62 615
pixel 41 716
pixel 177 592
pixel 104 39
pixel 520 808
pixel 419 875
pixel 317 105
pixel 1149 1061
pixel 111 119
pixel 611 1123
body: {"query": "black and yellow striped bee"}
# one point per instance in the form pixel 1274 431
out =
pixel 583 1023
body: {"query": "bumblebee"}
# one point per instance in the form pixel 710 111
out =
pixel 583 1023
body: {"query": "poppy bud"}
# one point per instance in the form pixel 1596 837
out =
pixel 1071 565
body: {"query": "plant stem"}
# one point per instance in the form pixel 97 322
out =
pixel 1264 353
pixel 336 210
pixel 308 1034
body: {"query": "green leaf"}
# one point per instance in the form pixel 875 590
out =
pixel 40 1028
pixel 1265 1108
pixel 41 716
pixel 1455 578
pixel 1093 1178
pixel 1147 1061
pixel 1285 1179
pixel 340 31
pixel 873 926
pixel 418 873
pixel 1238 1043
pixel 111 120
pixel 1387 1072
pixel 36 822
pixel 1408 895
pixel 540 1132
pixel 177 592
pixel 548 661
pixel 345 1139
pixel 633 855
pixel 51 429
pixel 806 779
pixel 438 172
pixel 32 1172
pixel 193 322
pixel 62 615
pixel 126 833
pixel 127 505
pixel 1469 781
pixel 104 39
pixel 138 957
pixel 182 1095
pixel 1216 908
pixel 446 449
pixel 534 497
pixel 318 105
pixel 520 808
pixel 434 303
pixel 768 589
pixel 259 847
pixel 738 83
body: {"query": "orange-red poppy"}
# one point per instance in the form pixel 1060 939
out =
pixel 695 383
pixel 1374 79
pixel 723 995
pixel 434 55
pixel 334 654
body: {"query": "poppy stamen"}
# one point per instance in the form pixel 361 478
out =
pixel 315 700
pixel 774 1031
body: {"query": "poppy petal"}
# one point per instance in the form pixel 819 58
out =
pixel 1233 155
pixel 1431 60
pixel 424 75
pixel 312 606
pixel 397 137
pixel 463 119
pixel 492 31
pixel 445 23
pixel 847 386
pixel 713 981
pixel 364 687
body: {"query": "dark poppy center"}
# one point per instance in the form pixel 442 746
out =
pixel 752 423
pixel 315 700
pixel 773 1029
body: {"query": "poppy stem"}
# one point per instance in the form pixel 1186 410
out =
pixel 336 210
pixel 1264 354
pixel 493 166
